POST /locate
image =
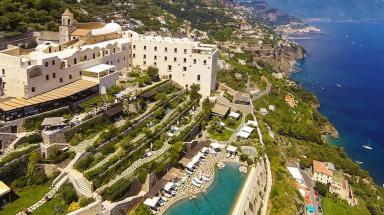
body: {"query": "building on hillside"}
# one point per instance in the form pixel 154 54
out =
pixel 322 173
pixel 91 56
pixel 326 173
pixel 185 61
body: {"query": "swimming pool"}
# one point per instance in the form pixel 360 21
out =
pixel 219 198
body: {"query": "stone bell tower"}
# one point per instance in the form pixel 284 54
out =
pixel 67 26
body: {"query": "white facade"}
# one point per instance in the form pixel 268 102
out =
pixel 182 60
pixel 322 178
pixel 26 74
pixel 30 74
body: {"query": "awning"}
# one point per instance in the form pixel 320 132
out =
pixel 204 150
pixel 4 189
pixel 168 186
pixel 231 148
pixel 234 115
pixel 252 122
pixel 151 202
pixel 58 93
pixel 190 165
pixel 243 134
pixel 247 129
pixel 215 145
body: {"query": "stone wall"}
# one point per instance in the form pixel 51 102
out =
pixel 91 209
pixel 250 200
pixel 56 137
pixel 6 139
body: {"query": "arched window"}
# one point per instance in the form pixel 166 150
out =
pixel 69 22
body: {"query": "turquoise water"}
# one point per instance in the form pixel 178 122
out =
pixel 219 198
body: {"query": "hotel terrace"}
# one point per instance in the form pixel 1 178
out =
pixel 91 56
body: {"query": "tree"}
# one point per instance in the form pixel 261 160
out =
pixel 68 193
pixel 32 170
pixel 195 91
pixel 142 210
pixel 321 188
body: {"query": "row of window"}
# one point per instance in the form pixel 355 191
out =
pixel 155 49
pixel 197 78
pixel 106 52
pixel 174 59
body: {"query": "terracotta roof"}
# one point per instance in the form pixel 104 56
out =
pixel 81 32
pixel 90 25
pixel 321 168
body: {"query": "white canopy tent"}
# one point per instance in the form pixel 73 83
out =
pixel 247 129
pixel 252 122
pixel 234 115
pixel 168 186
pixel 215 145
pixel 231 149
pixel 151 202
pixel 243 134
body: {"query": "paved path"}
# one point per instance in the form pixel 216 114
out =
pixel 309 183
pixel 82 146
pixel 50 194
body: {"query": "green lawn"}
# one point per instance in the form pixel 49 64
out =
pixel 48 207
pixel 334 206
pixel 225 135
pixel 27 197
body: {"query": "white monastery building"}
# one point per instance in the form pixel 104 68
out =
pixel 91 56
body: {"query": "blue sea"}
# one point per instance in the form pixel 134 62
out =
pixel 219 198
pixel 351 55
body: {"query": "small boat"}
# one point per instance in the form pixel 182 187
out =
pixel 338 85
pixel 359 162
pixel 196 184
pixel 369 147
pixel 322 88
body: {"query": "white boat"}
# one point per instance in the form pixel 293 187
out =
pixel 196 184
pixel 369 147
pixel 359 162
pixel 338 85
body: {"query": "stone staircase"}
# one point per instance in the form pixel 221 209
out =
pixel 80 183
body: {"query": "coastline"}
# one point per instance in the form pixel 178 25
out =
pixel 204 189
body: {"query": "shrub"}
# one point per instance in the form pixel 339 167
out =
pixel 73 206
pixel 83 201
pixel 322 189
pixel 68 193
